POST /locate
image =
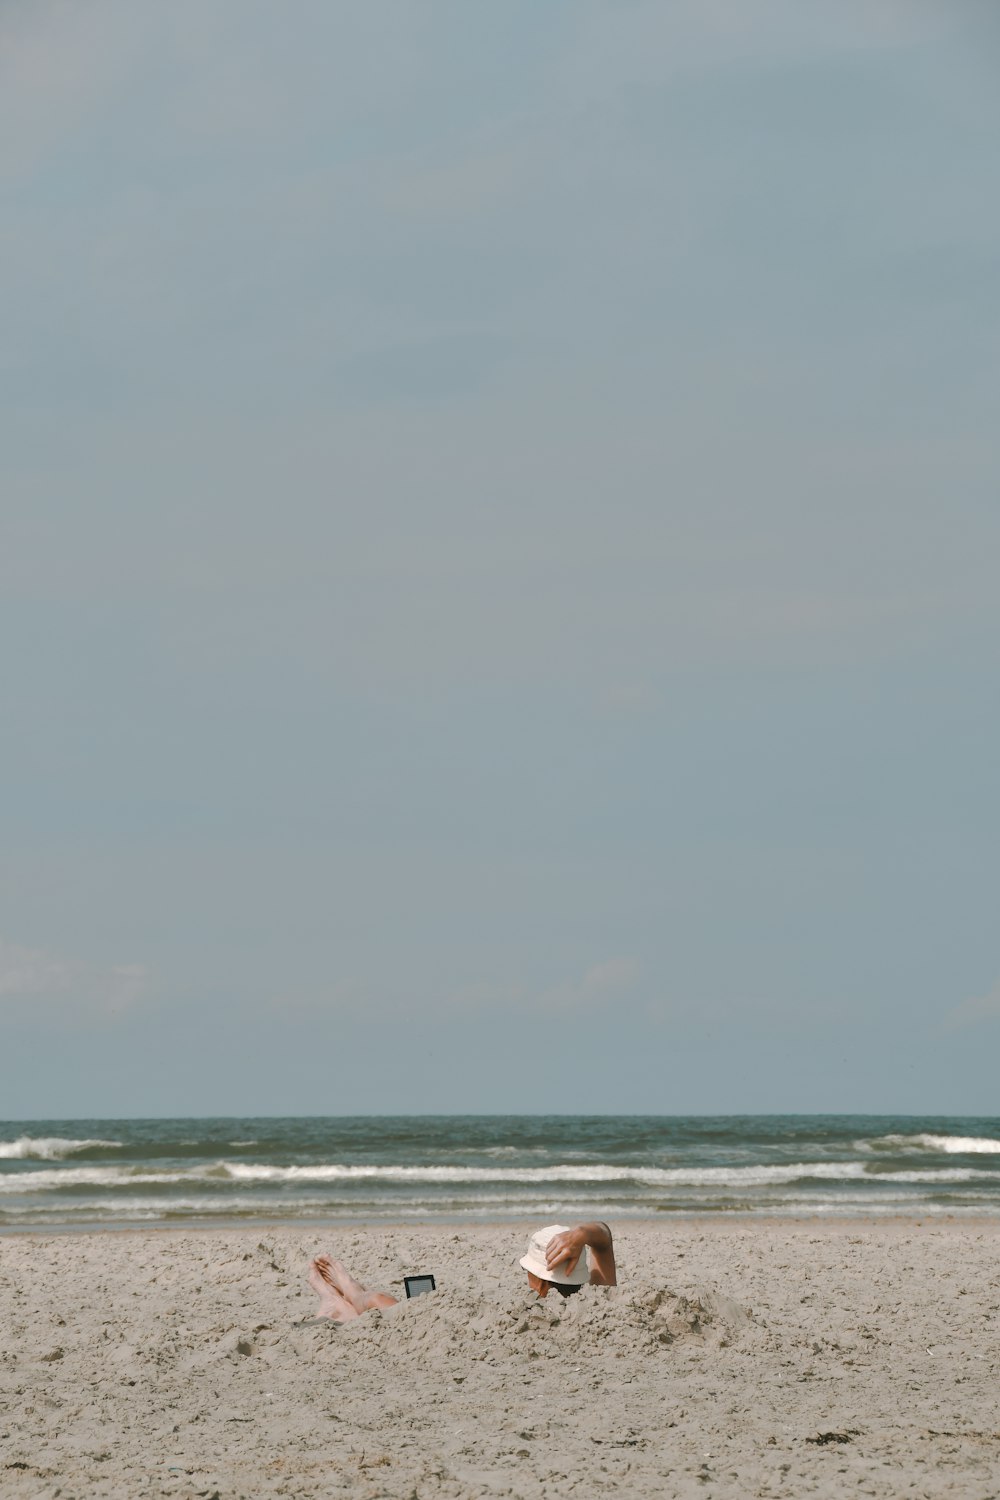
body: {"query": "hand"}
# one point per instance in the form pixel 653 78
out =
pixel 564 1250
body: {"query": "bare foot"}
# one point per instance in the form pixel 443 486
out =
pixel 332 1303
pixel 336 1276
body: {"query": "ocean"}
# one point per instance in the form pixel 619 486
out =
pixel 65 1174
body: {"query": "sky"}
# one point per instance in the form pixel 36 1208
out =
pixel 499 523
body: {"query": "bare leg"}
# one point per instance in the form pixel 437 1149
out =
pixel 336 1278
pixel 332 1303
pixel 337 1275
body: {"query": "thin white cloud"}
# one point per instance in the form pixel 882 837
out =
pixel 975 1010
pixel 31 974
pixel 612 977
pixel 29 971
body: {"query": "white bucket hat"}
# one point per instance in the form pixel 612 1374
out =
pixel 535 1261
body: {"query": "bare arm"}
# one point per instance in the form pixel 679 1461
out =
pixel 565 1250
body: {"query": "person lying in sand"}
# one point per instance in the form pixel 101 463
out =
pixel 558 1256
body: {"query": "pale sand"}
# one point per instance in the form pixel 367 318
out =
pixel 137 1364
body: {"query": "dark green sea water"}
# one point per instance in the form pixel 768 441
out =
pixel 66 1173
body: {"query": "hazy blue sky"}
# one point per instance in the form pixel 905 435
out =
pixel 499 598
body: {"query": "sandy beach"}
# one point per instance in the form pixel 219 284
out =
pixel 736 1358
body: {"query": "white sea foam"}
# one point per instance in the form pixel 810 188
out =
pixel 942 1174
pixel 111 1177
pixel 502 1184
pixel 886 1205
pixel 150 1206
pixel 44 1210
pixel 130 1177
pixel 953 1145
pixel 252 1203
pixel 49 1148
pixel 638 1176
pixel 48 1213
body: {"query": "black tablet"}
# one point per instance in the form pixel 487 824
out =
pixel 416 1286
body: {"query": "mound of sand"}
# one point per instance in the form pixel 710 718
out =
pixel 642 1317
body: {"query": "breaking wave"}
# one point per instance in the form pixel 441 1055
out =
pixel 952 1145
pixel 248 1174
pixel 51 1148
